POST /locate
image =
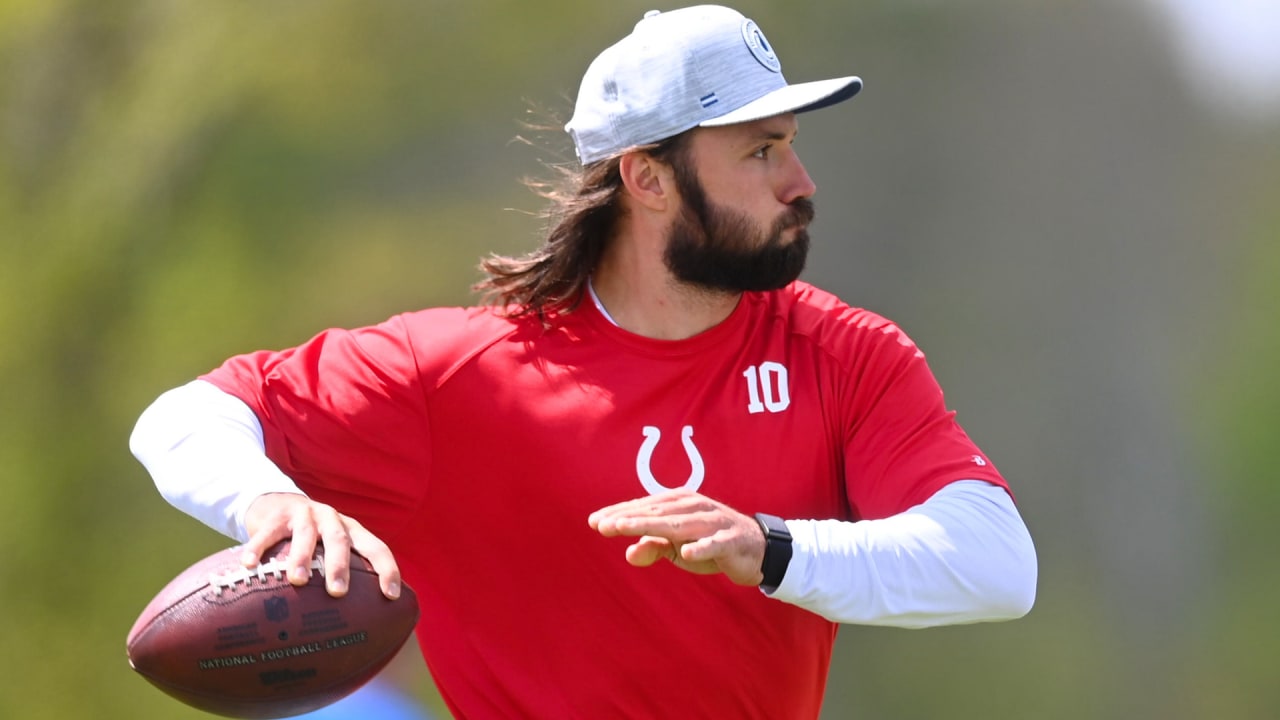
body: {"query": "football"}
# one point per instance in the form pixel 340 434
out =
pixel 247 643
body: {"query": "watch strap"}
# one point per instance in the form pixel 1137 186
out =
pixel 777 550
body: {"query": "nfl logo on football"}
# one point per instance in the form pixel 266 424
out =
pixel 276 608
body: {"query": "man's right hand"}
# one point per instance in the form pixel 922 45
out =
pixel 279 516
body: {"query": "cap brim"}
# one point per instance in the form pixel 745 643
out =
pixel 798 98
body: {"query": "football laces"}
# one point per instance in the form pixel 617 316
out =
pixel 274 569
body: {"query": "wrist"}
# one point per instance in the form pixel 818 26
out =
pixel 777 551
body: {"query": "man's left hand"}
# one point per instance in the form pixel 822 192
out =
pixel 693 531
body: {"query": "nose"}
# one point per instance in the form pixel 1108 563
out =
pixel 796 182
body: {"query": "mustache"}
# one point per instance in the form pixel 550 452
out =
pixel 798 214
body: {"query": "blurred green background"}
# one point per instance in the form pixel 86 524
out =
pixel 1072 206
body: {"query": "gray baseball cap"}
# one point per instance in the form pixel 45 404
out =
pixel 700 66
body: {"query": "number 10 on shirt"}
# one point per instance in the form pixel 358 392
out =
pixel 767 388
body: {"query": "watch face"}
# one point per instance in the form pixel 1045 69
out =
pixel 773 526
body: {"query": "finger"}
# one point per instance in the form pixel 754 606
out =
pixel 379 556
pixel 680 528
pixel 726 551
pixel 337 551
pixel 268 520
pixel 301 549
pixel 717 547
pixel 649 550
pixel 252 551
pixel 701 550
pixel 648 506
pixel 604 519
pixel 671 528
pixel 626 518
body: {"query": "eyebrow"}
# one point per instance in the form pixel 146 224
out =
pixel 774 135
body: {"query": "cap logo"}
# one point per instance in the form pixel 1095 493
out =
pixel 759 47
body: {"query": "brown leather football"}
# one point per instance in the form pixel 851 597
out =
pixel 247 643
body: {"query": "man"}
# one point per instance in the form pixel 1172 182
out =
pixel 652 388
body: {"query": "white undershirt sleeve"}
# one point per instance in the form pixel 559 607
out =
pixel 204 449
pixel 962 556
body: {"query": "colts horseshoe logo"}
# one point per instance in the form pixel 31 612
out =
pixel 651 437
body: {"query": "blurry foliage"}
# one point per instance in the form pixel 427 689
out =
pixel 1239 419
pixel 183 181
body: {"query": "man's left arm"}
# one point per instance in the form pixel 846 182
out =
pixel 962 556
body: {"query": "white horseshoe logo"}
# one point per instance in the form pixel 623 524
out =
pixel 651 437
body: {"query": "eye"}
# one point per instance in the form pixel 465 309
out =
pixel 762 152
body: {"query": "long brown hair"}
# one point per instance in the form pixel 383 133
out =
pixel 583 207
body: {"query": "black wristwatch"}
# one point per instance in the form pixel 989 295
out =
pixel 777 550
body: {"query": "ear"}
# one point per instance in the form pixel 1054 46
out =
pixel 648 181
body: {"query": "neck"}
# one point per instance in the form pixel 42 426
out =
pixel 642 296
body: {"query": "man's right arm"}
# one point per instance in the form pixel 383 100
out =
pixel 205 452
pixel 204 449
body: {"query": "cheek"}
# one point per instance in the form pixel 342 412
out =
pixel 748 195
pixel 743 188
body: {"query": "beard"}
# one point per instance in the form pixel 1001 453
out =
pixel 723 250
